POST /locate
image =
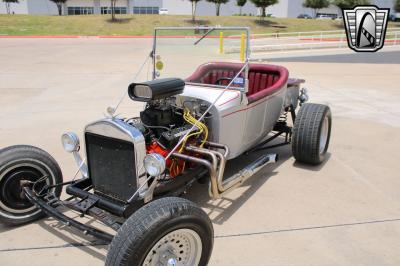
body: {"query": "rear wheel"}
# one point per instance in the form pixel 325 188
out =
pixel 168 231
pixel 24 163
pixel 311 133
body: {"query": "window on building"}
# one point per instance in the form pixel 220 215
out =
pixel 146 10
pixel 74 10
pixel 118 10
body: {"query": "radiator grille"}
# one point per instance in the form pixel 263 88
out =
pixel 111 164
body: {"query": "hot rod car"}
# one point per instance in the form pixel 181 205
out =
pixel 136 169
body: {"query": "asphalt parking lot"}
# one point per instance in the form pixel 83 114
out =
pixel 344 212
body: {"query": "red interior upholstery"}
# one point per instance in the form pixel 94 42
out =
pixel 264 79
pixel 209 73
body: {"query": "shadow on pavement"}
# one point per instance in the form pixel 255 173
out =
pixel 6 228
pixel 68 234
pixel 221 210
pixel 315 168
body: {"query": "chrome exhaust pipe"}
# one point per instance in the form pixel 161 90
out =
pixel 221 171
pixel 210 167
pixel 212 153
pixel 237 179
pixel 247 172
pixel 218 146
pixel 218 186
pixel 213 189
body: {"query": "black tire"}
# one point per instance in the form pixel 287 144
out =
pixel 154 221
pixel 23 162
pixel 308 145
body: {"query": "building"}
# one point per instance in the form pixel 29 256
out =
pixel 35 7
pixel 285 8
pixel 292 8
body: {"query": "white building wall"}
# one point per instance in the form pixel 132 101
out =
pixel 17 8
pixel 119 3
pixel 285 8
pixel 97 6
pixel 42 7
pixel 249 8
pixel 208 9
pixel 184 7
pixel 280 10
pixel 297 8
pixel 148 3
pixel 80 3
pixel 178 7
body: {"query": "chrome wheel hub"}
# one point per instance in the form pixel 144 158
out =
pixel 12 199
pixel 179 247
pixel 323 139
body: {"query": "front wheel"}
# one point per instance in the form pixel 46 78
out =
pixel 168 231
pixel 311 133
pixel 24 163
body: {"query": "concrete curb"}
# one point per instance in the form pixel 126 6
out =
pixel 73 37
pixel 106 37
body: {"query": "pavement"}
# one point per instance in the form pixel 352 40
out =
pixel 343 212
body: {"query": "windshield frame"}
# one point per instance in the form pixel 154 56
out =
pixel 207 28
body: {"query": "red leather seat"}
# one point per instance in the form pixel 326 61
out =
pixel 264 79
pixel 209 73
pixel 214 75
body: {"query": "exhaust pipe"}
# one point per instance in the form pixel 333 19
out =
pixel 247 172
pixel 218 185
pixel 213 189
pixel 210 167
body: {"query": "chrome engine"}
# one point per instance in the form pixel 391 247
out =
pixel 116 148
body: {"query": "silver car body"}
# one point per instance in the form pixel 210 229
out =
pixel 236 123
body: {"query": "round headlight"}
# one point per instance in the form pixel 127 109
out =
pixel 70 142
pixel 154 164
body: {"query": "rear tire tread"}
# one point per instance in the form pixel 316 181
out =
pixel 306 133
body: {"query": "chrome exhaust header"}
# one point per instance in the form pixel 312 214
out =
pixel 247 172
pixel 218 186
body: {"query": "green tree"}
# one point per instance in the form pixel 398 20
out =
pixel 350 3
pixel 397 6
pixel 8 2
pixel 240 4
pixel 194 7
pixel 218 4
pixel 59 4
pixel 263 4
pixel 113 3
pixel 315 5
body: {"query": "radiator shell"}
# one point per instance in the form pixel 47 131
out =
pixel 115 151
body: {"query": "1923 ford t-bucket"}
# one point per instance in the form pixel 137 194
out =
pixel 136 169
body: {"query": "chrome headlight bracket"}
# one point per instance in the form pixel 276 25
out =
pixel 70 142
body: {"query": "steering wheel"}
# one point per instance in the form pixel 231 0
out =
pixel 218 81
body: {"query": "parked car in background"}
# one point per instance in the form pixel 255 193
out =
pixel 305 16
pixel 163 11
pixel 323 17
pixel 392 17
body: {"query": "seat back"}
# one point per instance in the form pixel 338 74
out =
pixel 214 75
pixel 209 73
pixel 264 79
pixel 261 80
